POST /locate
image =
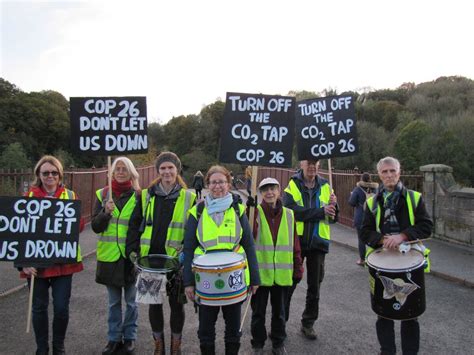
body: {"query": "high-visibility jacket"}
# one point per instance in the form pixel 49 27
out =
pixel 227 236
pixel 412 198
pixel 111 243
pixel 67 195
pixel 175 233
pixel 324 195
pixel 275 261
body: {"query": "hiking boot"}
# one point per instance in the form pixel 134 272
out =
pixel 175 348
pixel 111 348
pixel 159 346
pixel 308 332
pixel 279 351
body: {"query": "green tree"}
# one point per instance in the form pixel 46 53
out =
pixel 409 144
pixel 14 157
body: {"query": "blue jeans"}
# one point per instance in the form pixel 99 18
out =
pixel 122 328
pixel 61 292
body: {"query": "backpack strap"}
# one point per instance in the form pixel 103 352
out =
pixel 235 205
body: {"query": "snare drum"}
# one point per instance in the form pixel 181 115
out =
pixel 397 283
pixel 152 278
pixel 220 278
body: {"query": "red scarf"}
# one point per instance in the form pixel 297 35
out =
pixel 118 188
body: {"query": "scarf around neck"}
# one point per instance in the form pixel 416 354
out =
pixel 118 188
pixel 220 204
pixel 390 221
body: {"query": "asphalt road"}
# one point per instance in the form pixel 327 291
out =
pixel 346 324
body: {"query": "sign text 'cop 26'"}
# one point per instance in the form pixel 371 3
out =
pixel 109 125
pixel 326 127
pixel 257 130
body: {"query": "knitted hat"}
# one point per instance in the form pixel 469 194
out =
pixel 168 157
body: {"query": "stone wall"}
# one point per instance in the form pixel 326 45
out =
pixel 450 205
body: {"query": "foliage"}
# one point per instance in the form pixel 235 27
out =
pixel 14 157
pixel 409 145
pixel 432 122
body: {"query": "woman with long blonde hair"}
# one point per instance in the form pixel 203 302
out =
pixel 113 209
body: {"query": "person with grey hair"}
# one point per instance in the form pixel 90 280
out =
pixel 387 224
pixel 315 206
pixel 112 212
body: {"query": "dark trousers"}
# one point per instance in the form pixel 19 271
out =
pixel 278 296
pixel 155 314
pixel 198 193
pixel 314 277
pixel 409 331
pixel 361 245
pixel 207 323
pixel 61 292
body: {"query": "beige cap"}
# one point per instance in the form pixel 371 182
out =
pixel 268 181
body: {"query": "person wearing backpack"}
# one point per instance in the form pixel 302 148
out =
pixel 364 189
pixel 219 224
pixel 393 216
pixel 157 227
pixel 110 219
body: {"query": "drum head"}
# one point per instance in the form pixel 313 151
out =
pixel 393 261
pixel 220 259
pixel 158 263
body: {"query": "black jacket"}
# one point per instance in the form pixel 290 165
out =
pixel 308 213
pixel 421 229
pixel 162 214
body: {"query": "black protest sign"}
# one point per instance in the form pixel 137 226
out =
pixel 39 231
pixel 109 125
pixel 257 130
pixel 326 127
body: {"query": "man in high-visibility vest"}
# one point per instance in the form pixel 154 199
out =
pixel 395 215
pixel 314 205
pixel 279 262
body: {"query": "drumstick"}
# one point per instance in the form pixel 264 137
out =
pixel 245 313
pixel 416 241
pixel 30 303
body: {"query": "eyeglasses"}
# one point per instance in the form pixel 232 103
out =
pixel 215 183
pixel 47 173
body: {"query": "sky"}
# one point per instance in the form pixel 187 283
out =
pixel 184 55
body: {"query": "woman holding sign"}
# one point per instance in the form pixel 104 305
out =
pixel 219 226
pixel 157 227
pixel 110 219
pixel 48 184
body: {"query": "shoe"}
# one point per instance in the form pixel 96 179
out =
pixel 112 347
pixel 175 348
pixel 279 351
pixel 308 333
pixel 257 351
pixel 129 347
pixel 59 350
pixel 360 262
pixel 159 346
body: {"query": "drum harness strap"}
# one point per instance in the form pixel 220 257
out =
pixel 235 204
pixel 200 208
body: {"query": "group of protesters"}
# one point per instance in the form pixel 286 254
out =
pixel 167 218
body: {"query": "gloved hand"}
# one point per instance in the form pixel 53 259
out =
pixel 251 202
pixel 133 257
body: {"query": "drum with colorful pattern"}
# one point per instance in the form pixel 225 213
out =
pixel 220 278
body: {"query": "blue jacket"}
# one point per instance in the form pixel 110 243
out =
pixel 357 200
